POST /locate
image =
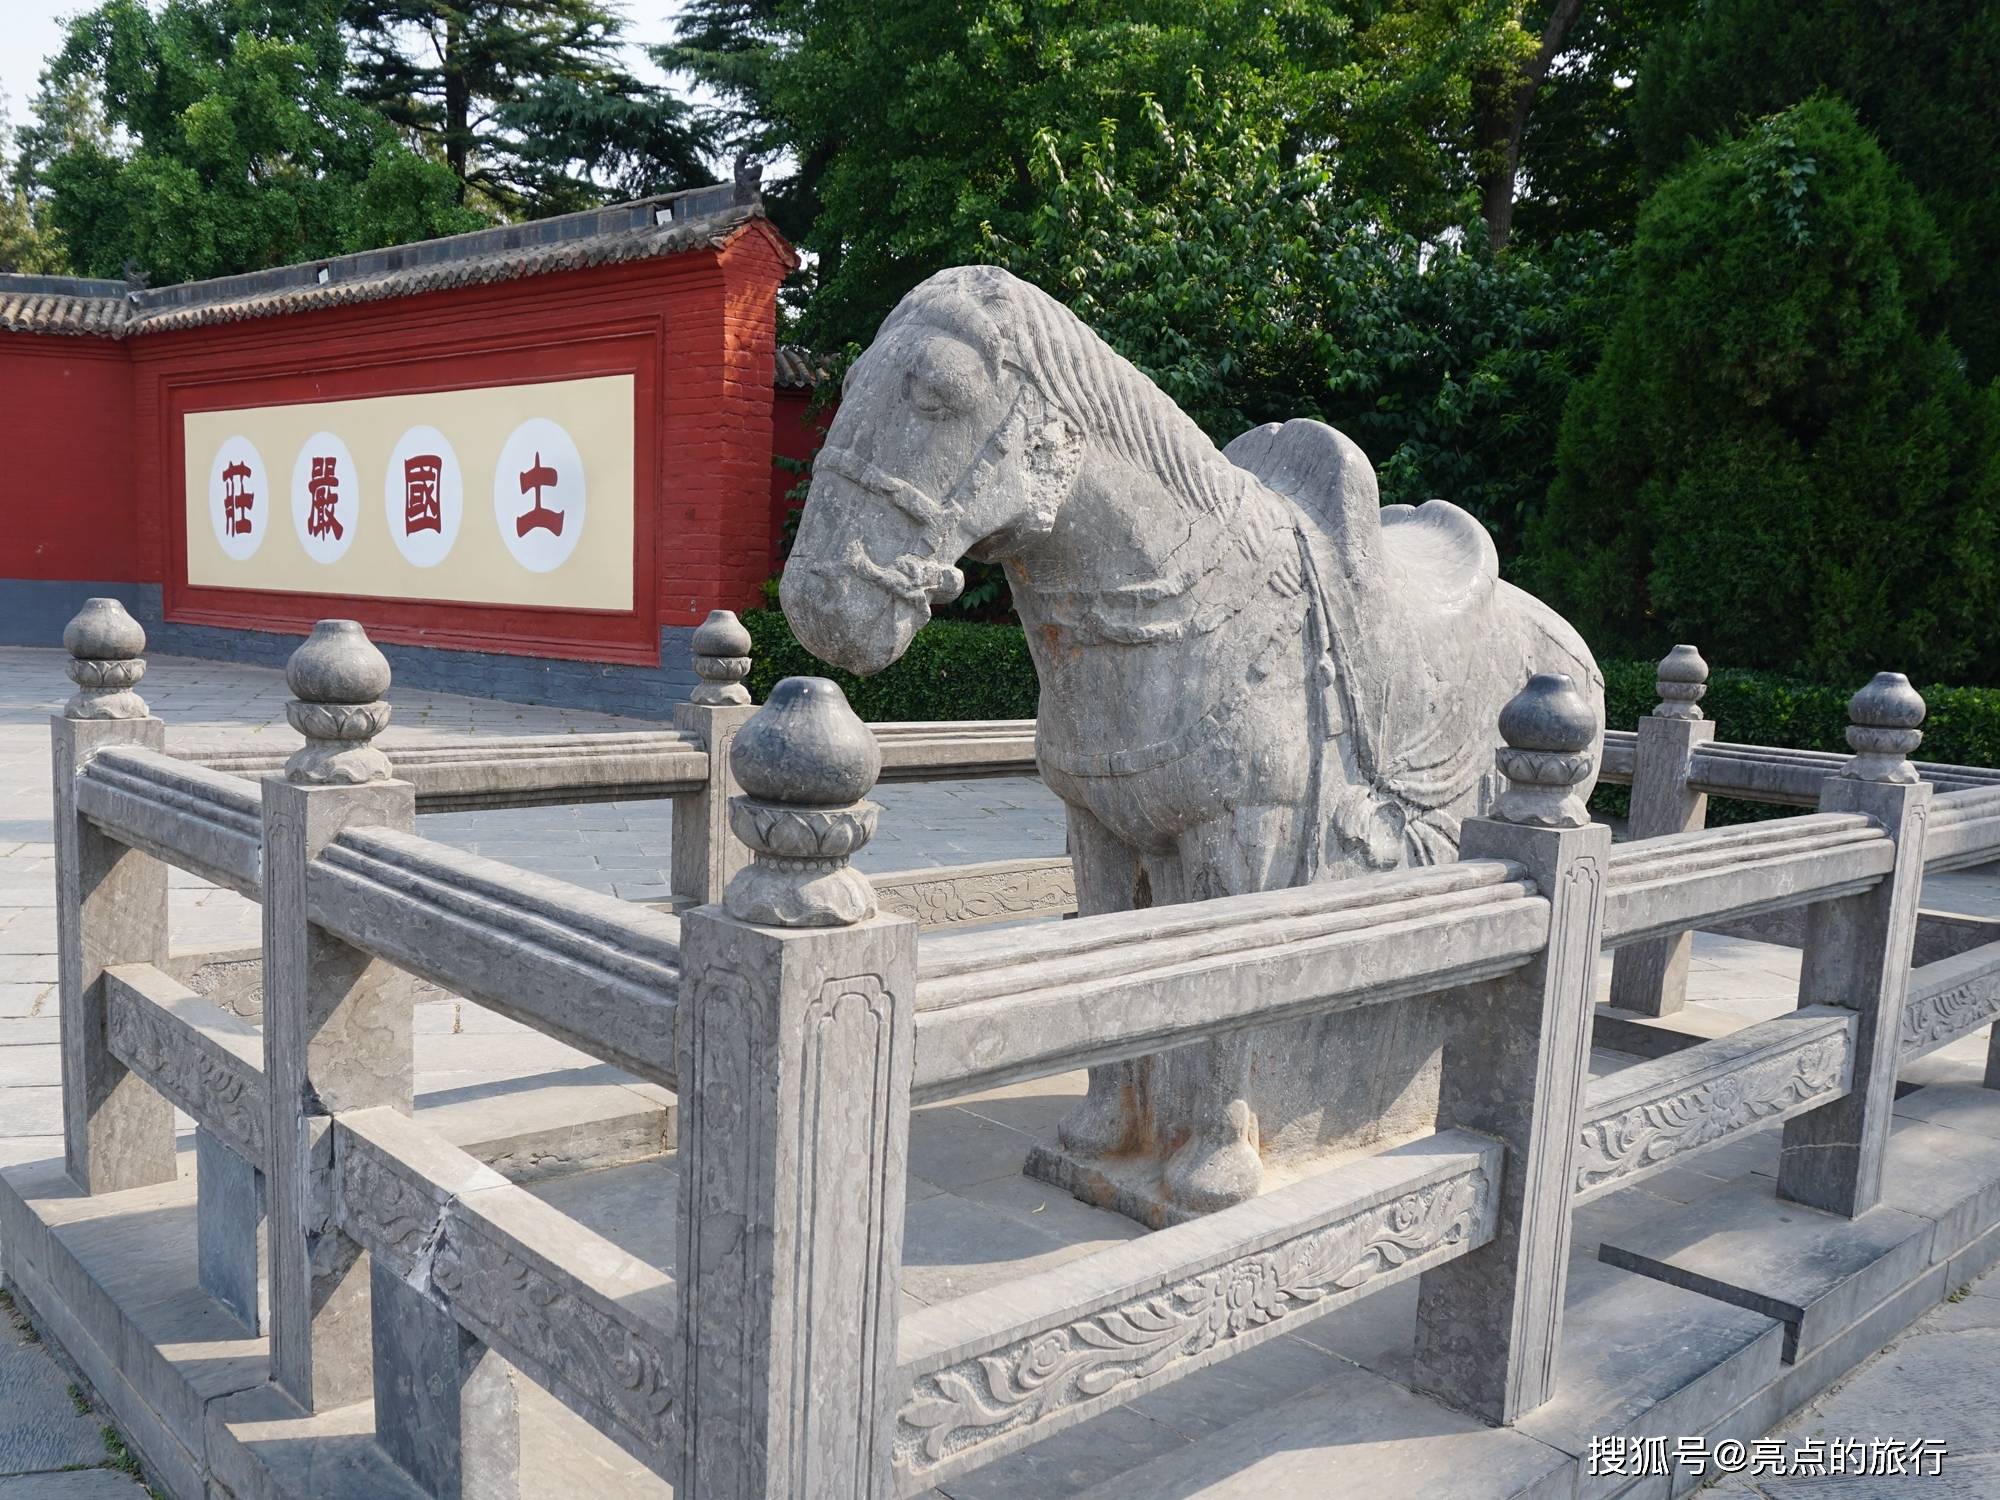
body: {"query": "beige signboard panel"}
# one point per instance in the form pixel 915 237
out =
pixel 517 494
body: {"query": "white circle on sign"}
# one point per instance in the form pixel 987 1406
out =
pixel 538 495
pixel 423 496
pixel 239 498
pixel 326 497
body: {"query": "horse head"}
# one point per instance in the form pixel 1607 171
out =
pixel 945 445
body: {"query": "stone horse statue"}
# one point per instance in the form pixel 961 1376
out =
pixel 1253 676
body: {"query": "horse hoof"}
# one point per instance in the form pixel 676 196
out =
pixel 1093 1128
pixel 1204 1176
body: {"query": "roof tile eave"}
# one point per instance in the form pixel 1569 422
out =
pixel 117 317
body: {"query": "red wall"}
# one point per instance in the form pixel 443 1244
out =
pixel 695 331
pixel 66 472
pixel 796 433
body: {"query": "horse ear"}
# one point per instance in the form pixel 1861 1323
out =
pixel 1052 458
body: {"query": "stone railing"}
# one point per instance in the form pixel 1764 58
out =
pixel 1672 762
pixel 797 1014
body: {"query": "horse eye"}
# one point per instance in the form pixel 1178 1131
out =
pixel 927 398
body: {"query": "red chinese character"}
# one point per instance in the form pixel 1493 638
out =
pixel 236 500
pixel 420 494
pixel 535 479
pixel 324 487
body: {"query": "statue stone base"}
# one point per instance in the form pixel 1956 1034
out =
pixel 1321 1089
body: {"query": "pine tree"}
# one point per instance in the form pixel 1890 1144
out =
pixel 525 100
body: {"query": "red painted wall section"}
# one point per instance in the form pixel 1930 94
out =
pixel 66 505
pixel 694 330
pixel 796 433
pixel 754 263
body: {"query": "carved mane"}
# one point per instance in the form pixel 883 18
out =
pixel 1017 325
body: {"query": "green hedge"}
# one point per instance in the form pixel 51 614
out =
pixel 954 669
pixel 1765 708
pixel 957 669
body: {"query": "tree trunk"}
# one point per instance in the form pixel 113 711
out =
pixel 1503 116
pixel 457 106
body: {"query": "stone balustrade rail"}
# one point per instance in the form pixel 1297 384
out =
pixel 799 1010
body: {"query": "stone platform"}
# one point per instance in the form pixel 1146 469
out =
pixel 1646 1352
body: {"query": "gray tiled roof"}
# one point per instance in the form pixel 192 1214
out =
pixel 702 218
pixel 797 367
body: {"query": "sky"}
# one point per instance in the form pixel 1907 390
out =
pixel 31 29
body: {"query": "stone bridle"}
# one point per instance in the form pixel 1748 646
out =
pixel 923 578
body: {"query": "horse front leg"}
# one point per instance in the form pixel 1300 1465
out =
pixel 1111 1117
pixel 1251 849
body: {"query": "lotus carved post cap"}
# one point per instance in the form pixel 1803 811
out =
pixel 805 763
pixel 105 647
pixel 1682 679
pixel 721 660
pixel 1550 730
pixel 339 678
pixel 1882 730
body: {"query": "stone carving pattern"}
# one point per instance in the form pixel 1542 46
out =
pixel 947 901
pixel 221 1095
pixel 381 1207
pixel 721 1174
pixel 550 1324
pixel 1698 1116
pixel 338 721
pixel 1021 1384
pixel 1933 1020
pixel 837 1119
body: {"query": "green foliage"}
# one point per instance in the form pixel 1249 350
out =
pixel 219 141
pixel 1920 77
pixel 1778 457
pixel 28 245
pixel 524 100
pixel 1585 172
pixel 954 669
pixel 1961 728
pixel 911 126
pixel 1251 292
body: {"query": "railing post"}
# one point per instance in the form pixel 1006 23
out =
pixel 1651 977
pixel 1516 1059
pixel 1857 954
pixel 447 1408
pixel 228 1218
pixel 111 908
pixel 793 1043
pixel 705 853
pixel 336 1020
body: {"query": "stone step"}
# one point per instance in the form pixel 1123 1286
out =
pixel 1820 1274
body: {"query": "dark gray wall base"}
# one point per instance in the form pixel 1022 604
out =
pixel 33 613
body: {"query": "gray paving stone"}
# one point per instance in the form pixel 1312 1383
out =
pixel 1097 1458
pixel 81 1484
pixel 1814 1272
pixel 1642 1357
pixel 1951 1177
pixel 1923 1388
pixel 40 1426
pixel 1963 1107
pixel 1356 1434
